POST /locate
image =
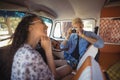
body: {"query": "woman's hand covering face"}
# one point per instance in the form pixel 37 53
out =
pixel 45 43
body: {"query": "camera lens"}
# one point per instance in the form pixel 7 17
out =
pixel 73 30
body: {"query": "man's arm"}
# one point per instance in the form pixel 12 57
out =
pixel 93 39
pixel 64 43
pixel 89 39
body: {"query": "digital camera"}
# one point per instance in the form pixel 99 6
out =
pixel 73 30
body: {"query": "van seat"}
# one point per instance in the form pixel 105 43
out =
pixel 109 55
pixel 5 63
pixel 91 51
pixel 114 71
pixel 89 70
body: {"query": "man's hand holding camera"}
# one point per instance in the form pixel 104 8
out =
pixel 81 34
pixel 69 32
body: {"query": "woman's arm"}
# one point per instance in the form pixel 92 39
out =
pixel 46 45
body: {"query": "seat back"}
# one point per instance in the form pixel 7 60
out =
pixel 89 70
pixel 91 51
pixel 5 63
pixel 114 71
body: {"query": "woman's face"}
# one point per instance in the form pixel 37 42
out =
pixel 38 27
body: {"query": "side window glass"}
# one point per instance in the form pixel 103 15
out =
pixel 3 26
pixel 89 24
pixel 57 30
pixel 7 28
pixel 61 28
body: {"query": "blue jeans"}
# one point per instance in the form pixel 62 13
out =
pixel 71 60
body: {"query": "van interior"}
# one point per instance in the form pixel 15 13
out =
pixel 99 16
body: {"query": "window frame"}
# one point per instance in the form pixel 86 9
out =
pixel 60 21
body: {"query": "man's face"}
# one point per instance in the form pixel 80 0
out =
pixel 78 27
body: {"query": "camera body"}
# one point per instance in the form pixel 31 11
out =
pixel 73 30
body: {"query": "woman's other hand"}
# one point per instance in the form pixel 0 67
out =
pixel 45 43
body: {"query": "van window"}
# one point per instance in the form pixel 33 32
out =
pixel 57 31
pixel 61 27
pixel 9 21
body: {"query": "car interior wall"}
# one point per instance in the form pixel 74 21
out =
pixel 110 53
pixel 113 11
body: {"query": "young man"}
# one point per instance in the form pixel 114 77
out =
pixel 77 42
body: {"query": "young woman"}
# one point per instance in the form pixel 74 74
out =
pixel 28 64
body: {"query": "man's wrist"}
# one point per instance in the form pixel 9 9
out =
pixel 66 39
pixel 82 35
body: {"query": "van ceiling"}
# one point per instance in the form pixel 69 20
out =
pixel 58 9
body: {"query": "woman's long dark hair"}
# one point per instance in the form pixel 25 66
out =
pixel 21 32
